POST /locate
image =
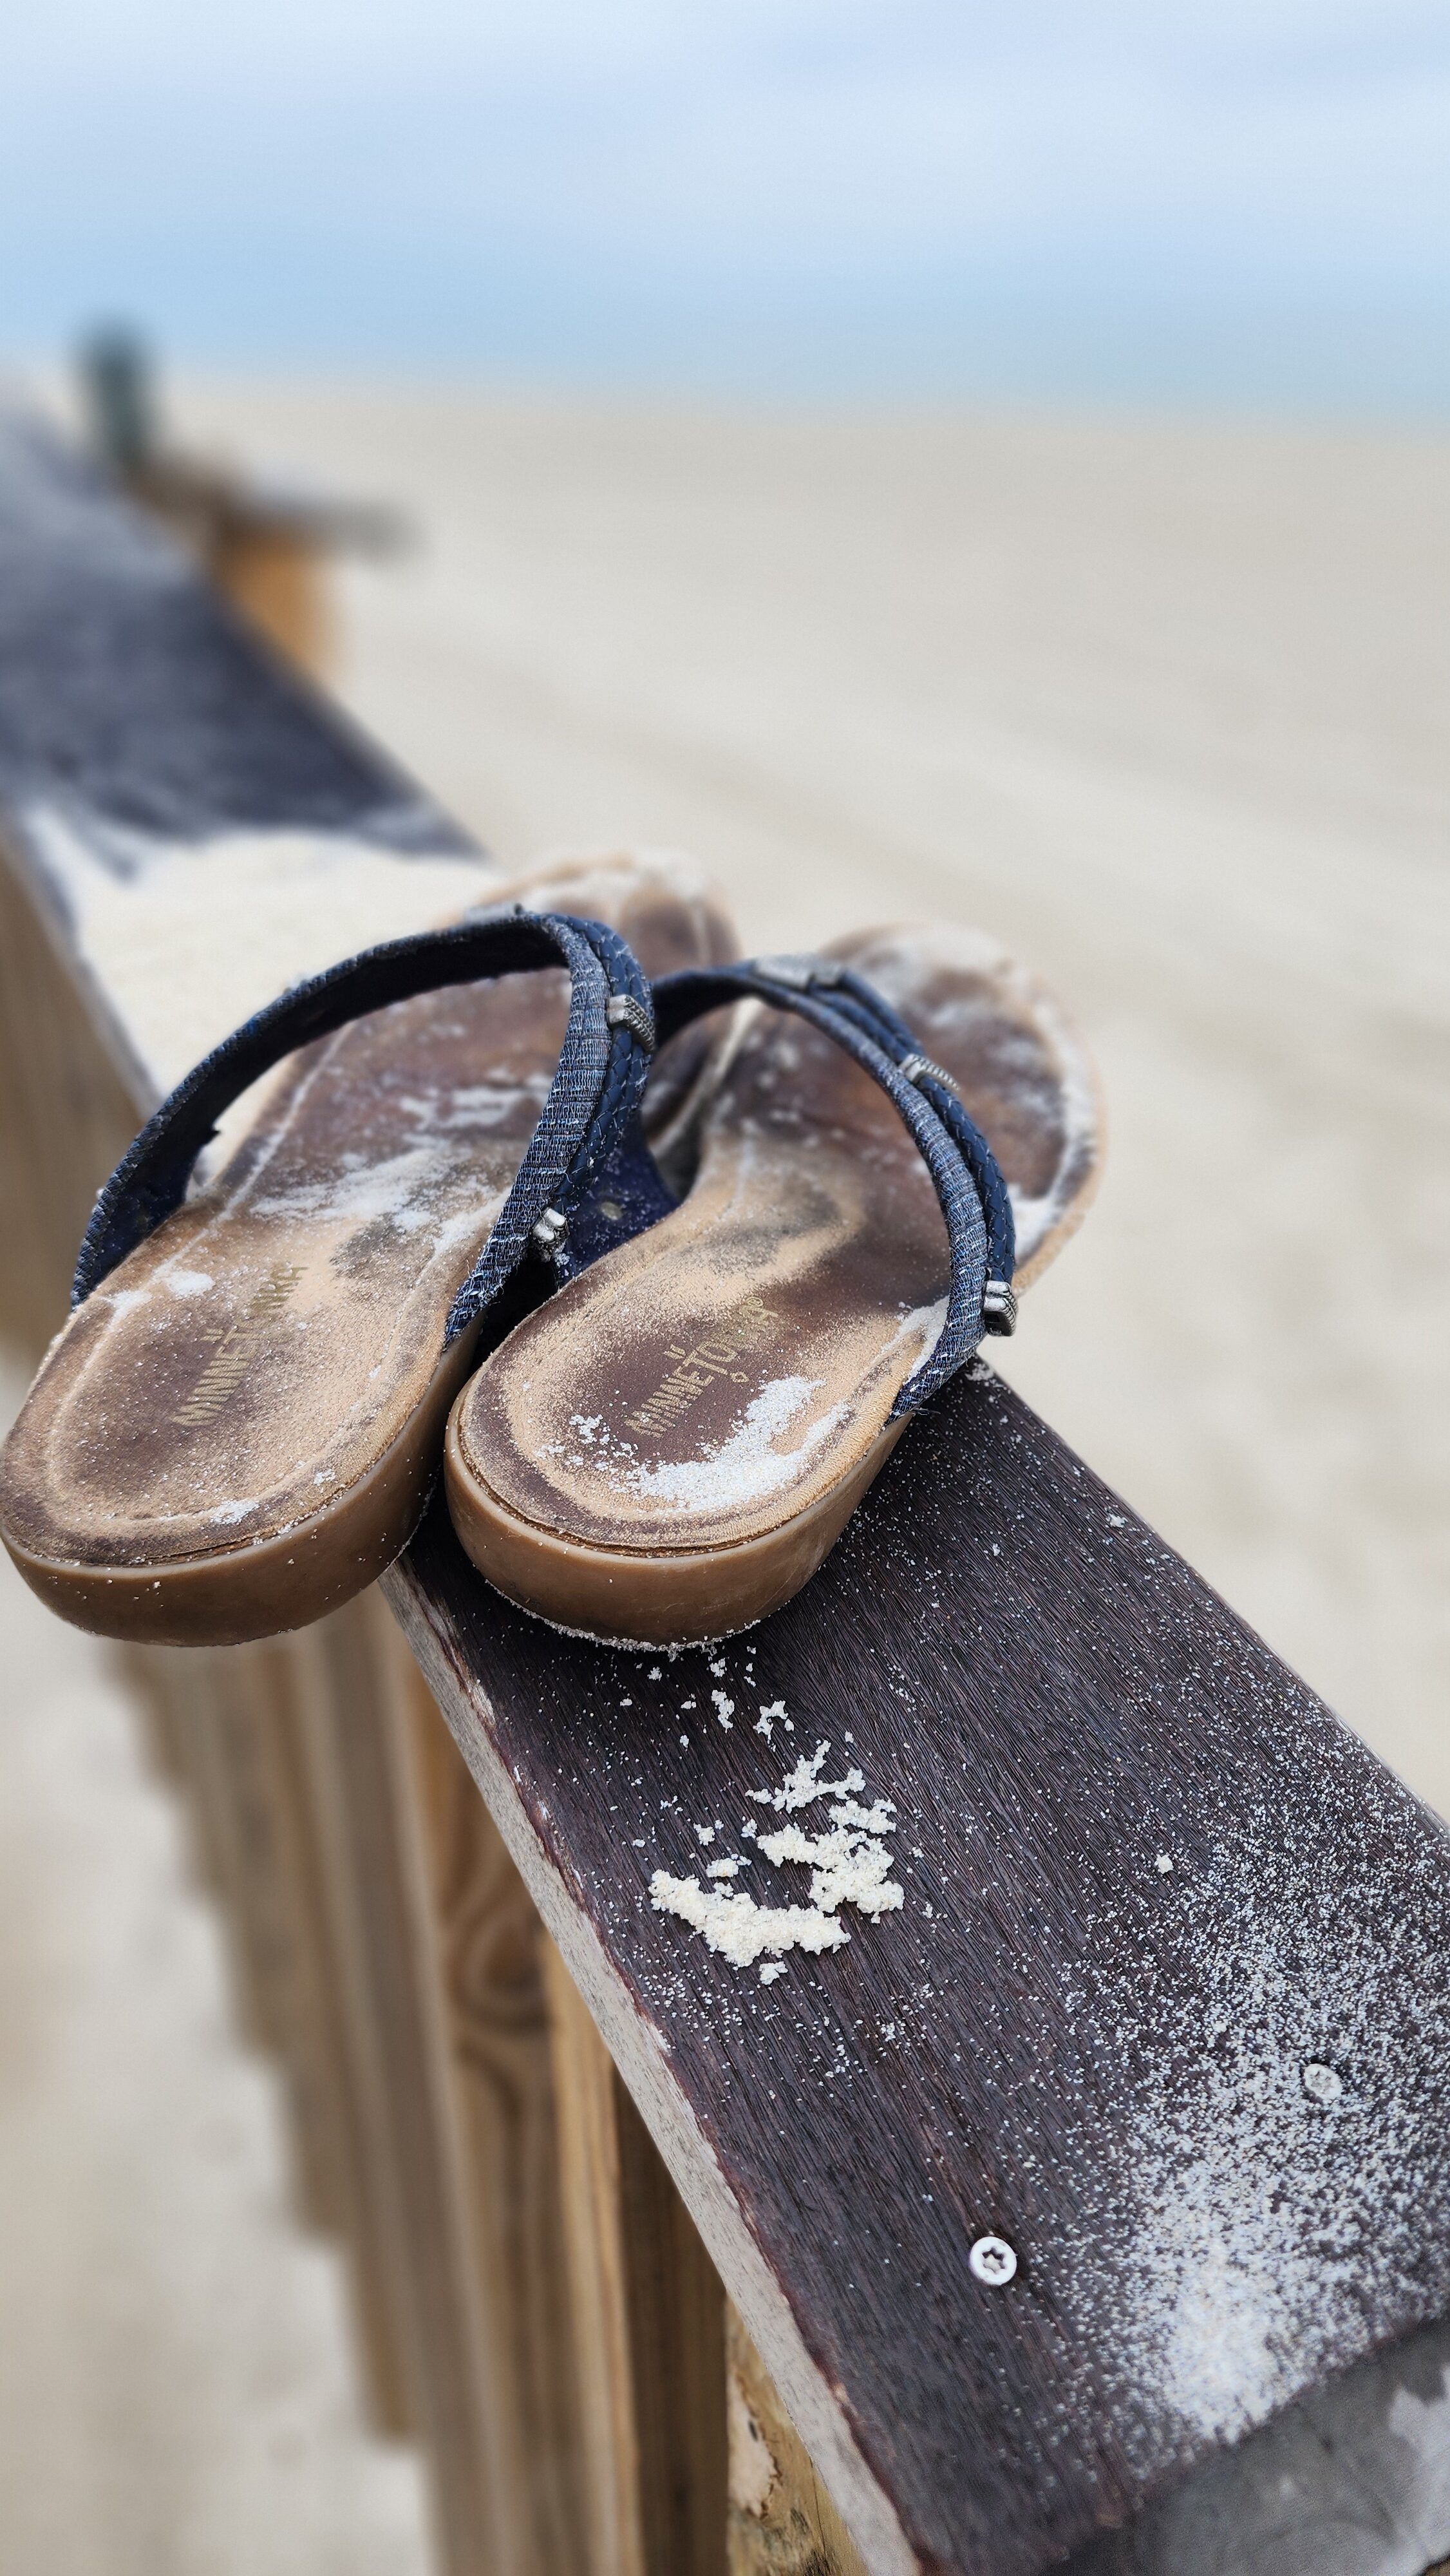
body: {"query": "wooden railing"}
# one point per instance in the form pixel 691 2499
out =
pixel 667 2268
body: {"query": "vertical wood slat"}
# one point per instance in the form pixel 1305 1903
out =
pixel 488 1974
pixel 217 1723
pixel 649 2322
pixel 593 2235
pixel 781 2520
pixel 374 1877
pixel 384 1949
pixel 676 2309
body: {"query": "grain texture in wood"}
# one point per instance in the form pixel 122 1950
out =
pixel 676 2313
pixel 376 1886
pixel 782 2522
pixel 490 1958
pixel 649 2326
pixel 592 2210
pixel 1150 1887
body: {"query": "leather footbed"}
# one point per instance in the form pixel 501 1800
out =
pixel 237 1430
pixel 668 1449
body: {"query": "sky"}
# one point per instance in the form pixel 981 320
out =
pixel 1236 201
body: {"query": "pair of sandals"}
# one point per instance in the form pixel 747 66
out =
pixel 662 1278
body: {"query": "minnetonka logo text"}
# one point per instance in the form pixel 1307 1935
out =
pixel 711 1358
pixel 232 1358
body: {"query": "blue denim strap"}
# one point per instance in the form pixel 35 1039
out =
pixel 602 1070
pixel 969 1186
pixel 860 1002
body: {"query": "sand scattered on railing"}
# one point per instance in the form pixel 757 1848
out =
pixel 850 1866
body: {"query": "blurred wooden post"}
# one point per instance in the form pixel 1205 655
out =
pixel 275 575
pixel 268 558
pixel 266 551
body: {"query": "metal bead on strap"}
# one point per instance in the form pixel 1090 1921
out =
pixel 550 1230
pixel 622 1011
pixel 919 1068
pixel 999 1307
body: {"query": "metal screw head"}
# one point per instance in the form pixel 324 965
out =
pixel 993 2261
pixel 1322 2083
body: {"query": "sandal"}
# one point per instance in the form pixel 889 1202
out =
pixel 668 1450
pixel 239 1425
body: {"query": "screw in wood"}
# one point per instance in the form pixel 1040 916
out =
pixel 993 2261
pixel 1321 2082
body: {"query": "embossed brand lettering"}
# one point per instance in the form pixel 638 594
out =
pixel 711 1357
pixel 228 1365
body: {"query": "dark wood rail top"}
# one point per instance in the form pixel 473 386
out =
pixel 1090 2205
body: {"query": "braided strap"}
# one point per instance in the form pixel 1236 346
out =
pixel 859 1001
pixel 602 1070
pixel 969 1186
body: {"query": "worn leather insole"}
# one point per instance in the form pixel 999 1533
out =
pixel 238 1427
pixel 670 1446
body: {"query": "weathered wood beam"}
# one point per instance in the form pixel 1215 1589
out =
pixel 1153 1892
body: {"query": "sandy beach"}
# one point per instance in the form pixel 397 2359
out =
pixel 1163 705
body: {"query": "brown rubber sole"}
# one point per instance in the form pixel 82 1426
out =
pixel 234 1596
pixel 624 1597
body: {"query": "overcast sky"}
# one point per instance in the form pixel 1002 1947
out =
pixel 1171 199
